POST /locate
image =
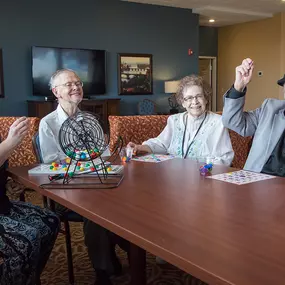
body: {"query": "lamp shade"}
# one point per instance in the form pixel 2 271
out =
pixel 171 86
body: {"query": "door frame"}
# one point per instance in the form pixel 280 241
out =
pixel 214 80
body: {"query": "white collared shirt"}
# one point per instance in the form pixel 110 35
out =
pixel 48 136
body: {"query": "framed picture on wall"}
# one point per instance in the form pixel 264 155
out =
pixel 135 74
pixel 1 75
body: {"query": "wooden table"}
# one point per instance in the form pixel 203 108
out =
pixel 219 232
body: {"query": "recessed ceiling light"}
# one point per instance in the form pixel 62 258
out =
pixel 213 20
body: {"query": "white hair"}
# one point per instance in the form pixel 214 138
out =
pixel 56 74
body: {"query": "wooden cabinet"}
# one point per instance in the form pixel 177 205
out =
pixel 40 108
pixel 102 108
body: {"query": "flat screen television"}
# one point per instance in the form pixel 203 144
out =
pixel 88 64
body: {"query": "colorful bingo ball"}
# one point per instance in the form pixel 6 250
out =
pixel 126 159
pixel 209 166
pixel 70 153
pixel 93 155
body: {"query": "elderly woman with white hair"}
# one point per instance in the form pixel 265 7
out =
pixel 195 133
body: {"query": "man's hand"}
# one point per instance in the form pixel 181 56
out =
pixel 243 74
pixel 18 130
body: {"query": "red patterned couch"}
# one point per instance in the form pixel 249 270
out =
pixel 140 128
pixel 24 154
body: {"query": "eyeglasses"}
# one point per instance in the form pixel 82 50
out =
pixel 191 98
pixel 70 84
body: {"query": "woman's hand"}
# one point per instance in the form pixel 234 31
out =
pixel 18 130
pixel 138 148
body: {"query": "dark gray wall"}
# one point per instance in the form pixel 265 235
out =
pixel 166 33
pixel 208 41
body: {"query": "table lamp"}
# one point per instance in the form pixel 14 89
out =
pixel 171 87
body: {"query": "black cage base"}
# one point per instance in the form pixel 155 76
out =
pixel 86 181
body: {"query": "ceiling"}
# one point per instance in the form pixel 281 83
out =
pixel 225 12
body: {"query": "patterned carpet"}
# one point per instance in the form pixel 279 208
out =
pixel 56 269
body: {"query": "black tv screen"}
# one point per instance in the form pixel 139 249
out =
pixel 88 64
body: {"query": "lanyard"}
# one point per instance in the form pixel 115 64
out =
pixel 184 156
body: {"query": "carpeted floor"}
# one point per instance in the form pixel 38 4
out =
pixel 56 269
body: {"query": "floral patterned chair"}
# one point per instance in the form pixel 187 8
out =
pixel 140 128
pixel 135 128
pixel 23 155
pixel 241 146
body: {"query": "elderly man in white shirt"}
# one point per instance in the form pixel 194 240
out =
pixel 67 88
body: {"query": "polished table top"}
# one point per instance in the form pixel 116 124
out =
pixel 219 232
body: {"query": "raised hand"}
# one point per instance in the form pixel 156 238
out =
pixel 243 74
pixel 18 130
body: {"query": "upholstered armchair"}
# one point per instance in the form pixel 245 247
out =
pixel 135 128
pixel 23 155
